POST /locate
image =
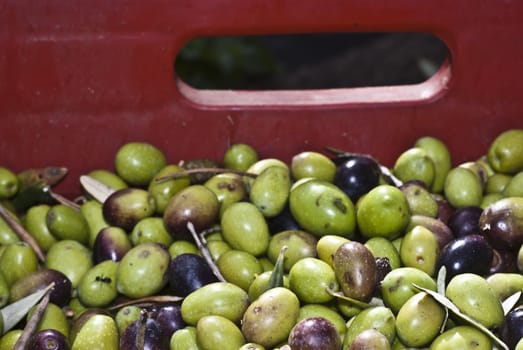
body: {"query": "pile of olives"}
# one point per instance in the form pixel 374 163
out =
pixel 330 251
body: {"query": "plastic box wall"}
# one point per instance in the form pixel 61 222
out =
pixel 80 78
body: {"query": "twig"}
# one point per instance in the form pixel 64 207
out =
pixel 184 173
pixel 202 246
pixel 146 301
pixel 21 232
pixel 61 199
pixel 32 324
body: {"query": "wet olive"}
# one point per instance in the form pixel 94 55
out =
pixel 502 223
pixel 356 175
pixel 465 221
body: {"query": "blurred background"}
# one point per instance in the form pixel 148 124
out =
pixel 310 61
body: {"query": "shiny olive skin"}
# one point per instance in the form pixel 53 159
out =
pixel 71 258
pixel 35 223
pixel 502 223
pixel 97 288
pixel 162 191
pixel 218 332
pixel 111 243
pixel 440 230
pixel 40 279
pixel 9 183
pixel 463 188
pixel 415 164
pixel 461 337
pixel 370 339
pixel 17 261
pixel 355 269
pixel 312 164
pixel 378 317
pixel 240 156
pixel 420 249
pixel 314 333
pixel 465 221
pixel 511 330
pixel 96 330
pixel 124 208
pixel 48 339
pixel 356 175
pixel 138 162
pixel 310 278
pixel 196 204
pixel 65 222
pixel 505 152
pixel 269 192
pixel 239 267
pixel 188 272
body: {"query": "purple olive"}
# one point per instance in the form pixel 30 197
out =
pixel 111 243
pixel 40 279
pixel 314 333
pixel 504 261
pixel 48 339
pixel 511 330
pixel 188 272
pixel 468 254
pixel 356 175
pixel 143 334
pixel 284 221
pixel 465 221
pixel 502 223
pixel 169 318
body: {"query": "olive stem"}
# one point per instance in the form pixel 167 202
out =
pixel 184 173
pixel 147 301
pixel 202 247
pixel 21 232
pixel 33 322
pixel 140 332
pixel 61 199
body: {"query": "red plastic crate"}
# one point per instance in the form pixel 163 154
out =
pixel 80 78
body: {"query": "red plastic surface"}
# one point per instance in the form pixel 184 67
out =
pixel 80 78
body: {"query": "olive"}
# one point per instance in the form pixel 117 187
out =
pixel 420 249
pixel 92 211
pixel 143 334
pixel 169 318
pixel 327 246
pixel 48 339
pixel 269 192
pixel 97 288
pixel 65 222
pixel 370 339
pixel 127 315
pixel 505 152
pixel 124 208
pixel 40 279
pixel 310 278
pixel 503 260
pixel 35 223
pixel 150 229
pixel 314 333
pixel 269 319
pixel 244 228
pixel 52 318
pixel 327 312
pixel 17 261
pixel 111 243
pixel 183 247
pixel 511 330
pixel 379 318
pixel 162 191
pixel 262 283
pixel 397 286
pixel 240 156
pixel 502 223
pixel 300 244
pixel 143 270
pixel 9 339
pixel 419 320
pixel 421 201
pixel 219 298
pixel 381 247
pixel 356 175
pixel 415 164
pixel 520 259
pixel 284 221
pixel 463 188
pixel 440 230
pixel 383 212
pixel 514 187
pixel 474 297
pixel 321 208
pixel 497 183
pixel 471 253
pixel 199 177
pixel 313 165
pixel 465 221
pixel 4 291
pixel 505 284
pixel 188 272
pixel 94 331
pixel 70 258
pixel 461 337
pixel 218 332
pixel 138 162
pixel 196 204
pixel 229 188
pixel 355 269
pixel 239 267
pixel 108 178
pixel 184 339
pixel 8 183
pixel 438 151
pixel 8 235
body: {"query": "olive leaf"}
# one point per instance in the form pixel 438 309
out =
pixel 456 311
pixel 15 312
pixel 355 302
pixel 440 283
pixel 95 188
pixel 510 302
pixel 276 279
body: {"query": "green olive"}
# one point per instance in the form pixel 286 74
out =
pixel 124 208
pixel 4 291
pixel 381 247
pixel 53 318
pixel 244 228
pixel 415 164
pixel 138 162
pixel 240 156
pixel 127 315
pixel 269 319
pixel 300 244
pixel 270 190
pixel 505 284
pixel 7 234
pixel 261 284
pixel 8 183
pixel 379 318
pixel 17 260
pixel 463 188
pixel 108 178
pixel 309 279
pixel 383 212
pixel 419 320
pixel 70 258
pixel 437 150
pixel 239 267
pixel 312 164
pixel 505 153
pixel 474 297
pixel 461 337
pixel 182 247
pixel 92 212
pixel 163 190
pixel 150 229
pixel 515 186
pixel 327 246
pixel 142 270
pixel 97 288
pixel 397 286
pixel 420 249
pixel 497 183
pixel 421 201
pixel 370 339
pixel 184 339
pixel 218 332
pixel 35 223
pixel 218 298
pixel 321 208
pixel 9 339
pixel 98 332
pixel 229 188
pixel 65 222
